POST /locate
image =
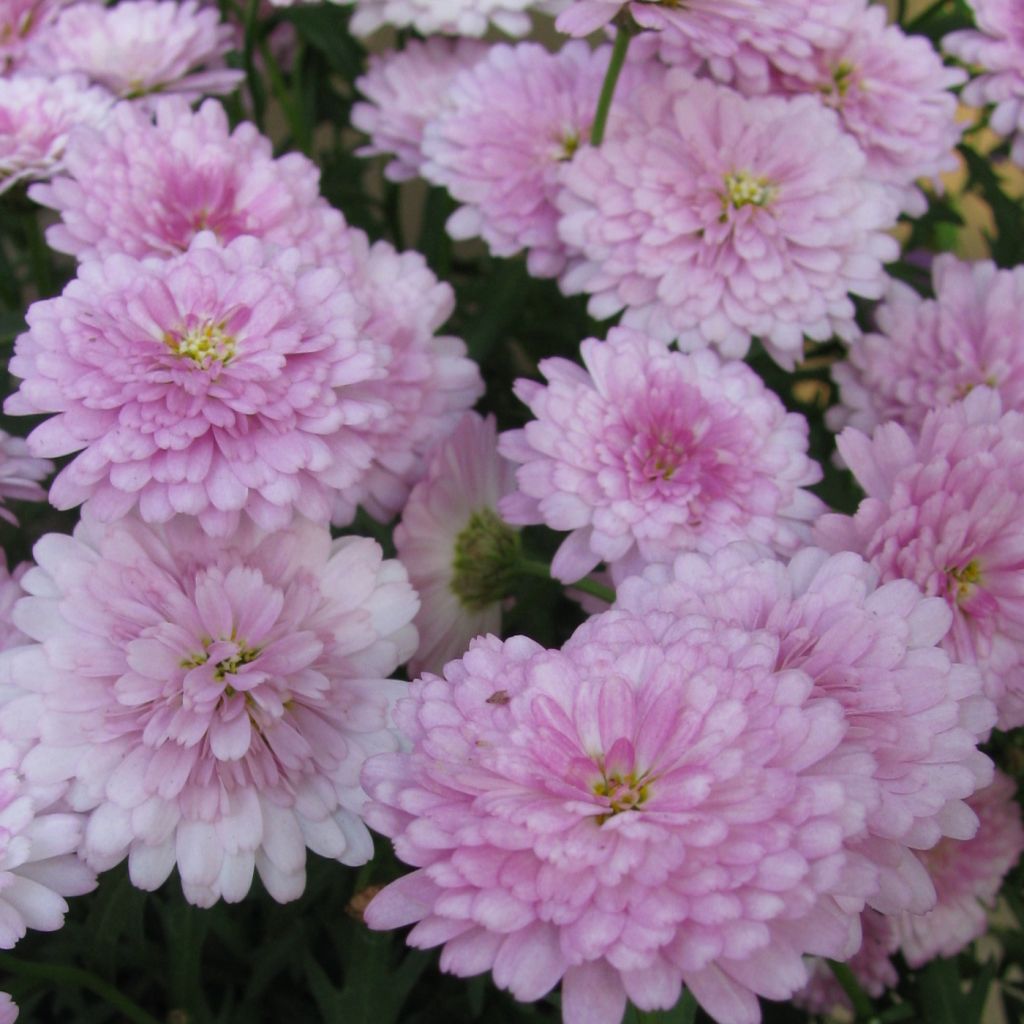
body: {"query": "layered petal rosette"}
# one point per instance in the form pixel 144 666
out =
pixel 713 218
pixel 211 702
pixel 943 510
pixel 656 805
pixel 648 452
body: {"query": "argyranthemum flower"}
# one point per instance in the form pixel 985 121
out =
pixel 944 511
pixel 20 473
pixel 140 47
pixel 648 452
pixel 967 876
pixel 653 806
pixel 20 20
pixel 997 49
pixel 141 188
pixel 211 701
pixel 36 116
pixel 929 353
pixel 212 384
pixel 454 544
pixel 405 90
pixel 871 647
pixel 452 17
pixel 712 218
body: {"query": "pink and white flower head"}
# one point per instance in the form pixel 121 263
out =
pixel 510 123
pixel 36 116
pixel 712 218
pixel 451 17
pixel 997 48
pixel 20 473
pixel 226 694
pixel 141 187
pixel 943 510
pixel 20 20
pixel 214 384
pixel 968 876
pixel 929 353
pixel 871 647
pixel 8 1009
pixel 655 805
pixel 140 47
pixel 457 550
pixel 405 90
pixel 648 452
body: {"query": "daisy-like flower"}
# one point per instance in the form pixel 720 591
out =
pixel 405 90
pixel 996 47
pixel 712 218
pixel 226 695
pixel 943 510
pixel 451 17
pixel 211 384
pixel 871 647
pixel 929 353
pixel 141 187
pixel 36 116
pixel 20 20
pixel 453 542
pixel 967 876
pixel 649 452
pixel 20 473
pixel 140 47
pixel 653 806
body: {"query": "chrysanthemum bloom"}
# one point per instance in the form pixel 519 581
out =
pixel 405 89
pixel 649 452
pixel 211 701
pixel 997 48
pixel 944 511
pixel 458 551
pixel 140 47
pixel 141 188
pixel 36 116
pixel 8 1009
pixel 20 474
pixel 655 805
pixel 452 17
pixel 510 123
pixel 212 384
pixel 929 353
pixel 19 21
pixel 873 649
pixel 712 218
pixel 967 876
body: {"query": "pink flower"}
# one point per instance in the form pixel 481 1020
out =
pixel 929 353
pixel 655 805
pixel 405 90
pixel 997 47
pixel 944 512
pixel 712 218
pixel 20 474
pixel 457 550
pixel 140 47
pixel 36 116
pixel 650 452
pixel 10 593
pixel 452 17
pixel 872 648
pixel 8 1009
pixel 20 20
pixel 141 188
pixel 968 876
pixel 211 701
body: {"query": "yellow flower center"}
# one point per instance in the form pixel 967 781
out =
pixel 743 189
pixel 204 344
pixel 966 578
pixel 623 792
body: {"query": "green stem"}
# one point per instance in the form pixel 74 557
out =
pixel 862 1005
pixel 296 123
pixel 59 975
pixel 256 91
pixel 611 80
pixel 529 567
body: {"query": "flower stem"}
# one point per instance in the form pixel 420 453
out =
pixel 862 1005
pixel 611 79
pixel 529 567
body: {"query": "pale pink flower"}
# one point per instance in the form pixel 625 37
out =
pixel 451 17
pixel 8 1009
pixel 36 116
pixel 648 452
pixel 997 49
pixel 928 353
pixel 871 647
pixel 968 876
pixel 944 511
pixel 139 47
pixel 712 218
pixel 213 384
pixel 20 20
pixel 141 188
pixel 451 539
pixel 20 473
pixel 10 593
pixel 655 805
pixel 405 90
pixel 211 701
